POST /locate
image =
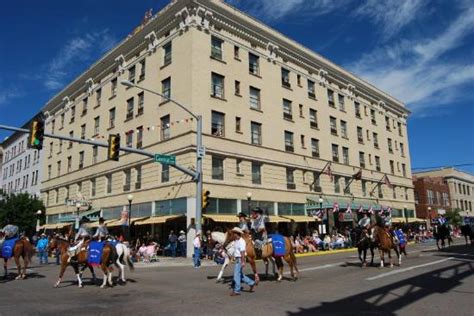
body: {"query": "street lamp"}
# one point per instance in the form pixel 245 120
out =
pixel 405 212
pixel 199 149
pixel 38 214
pixel 327 213
pixel 130 199
pixel 76 225
pixel 249 198
pixel 429 214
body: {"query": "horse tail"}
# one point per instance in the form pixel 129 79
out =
pixel 130 262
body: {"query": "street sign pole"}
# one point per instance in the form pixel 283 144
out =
pixel 199 174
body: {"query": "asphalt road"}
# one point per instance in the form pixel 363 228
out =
pixel 429 282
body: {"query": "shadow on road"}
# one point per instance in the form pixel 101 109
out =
pixel 385 300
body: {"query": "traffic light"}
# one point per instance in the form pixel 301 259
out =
pixel 205 198
pixel 114 147
pixel 36 134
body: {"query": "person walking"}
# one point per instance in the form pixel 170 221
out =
pixel 42 247
pixel 239 255
pixel 197 250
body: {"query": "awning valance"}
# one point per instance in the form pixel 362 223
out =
pixel 49 226
pixel 278 219
pixel 157 220
pixel 299 218
pixel 221 218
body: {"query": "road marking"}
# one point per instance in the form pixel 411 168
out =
pixel 383 275
pixel 326 266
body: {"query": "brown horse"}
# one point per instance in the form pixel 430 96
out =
pixel 23 249
pixel 107 259
pixel 385 244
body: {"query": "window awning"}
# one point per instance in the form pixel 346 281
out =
pixel 157 220
pixel 49 226
pixel 299 218
pixel 107 223
pixel 221 218
pixel 278 219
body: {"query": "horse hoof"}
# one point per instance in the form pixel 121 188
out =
pixel 102 286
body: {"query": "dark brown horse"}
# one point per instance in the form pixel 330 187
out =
pixel 386 244
pixel 22 249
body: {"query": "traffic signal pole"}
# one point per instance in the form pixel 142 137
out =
pixel 199 174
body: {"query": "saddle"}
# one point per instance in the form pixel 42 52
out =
pixel 73 251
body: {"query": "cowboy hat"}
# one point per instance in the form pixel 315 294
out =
pixel 237 230
pixel 257 210
pixel 242 214
pixel 181 232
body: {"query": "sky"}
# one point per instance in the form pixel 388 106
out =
pixel 419 51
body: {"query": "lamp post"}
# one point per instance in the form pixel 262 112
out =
pixel 76 225
pixel 327 213
pixel 130 199
pixel 405 212
pixel 199 149
pixel 429 214
pixel 249 198
pixel 38 214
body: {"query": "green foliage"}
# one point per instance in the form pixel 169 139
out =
pixel 20 209
pixel 454 217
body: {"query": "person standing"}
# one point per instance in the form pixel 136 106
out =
pixel 182 243
pixel 197 250
pixel 173 242
pixel 42 247
pixel 239 255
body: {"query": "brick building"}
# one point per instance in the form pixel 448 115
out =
pixel 431 196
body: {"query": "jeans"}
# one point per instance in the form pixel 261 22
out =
pixel 197 257
pixel 173 249
pixel 182 248
pixel 43 256
pixel 239 276
pixel 58 257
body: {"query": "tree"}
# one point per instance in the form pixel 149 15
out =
pixel 20 209
pixel 454 217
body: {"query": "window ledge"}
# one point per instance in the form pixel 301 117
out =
pixel 257 110
pixel 255 75
pixel 164 102
pixel 165 65
pixel 217 59
pixel 315 128
pixel 345 137
pixel 312 98
pixel 238 95
pixel 239 132
pixel 96 106
pixel 237 58
pixel 139 114
pixel 61 128
pixel 286 87
pixel 218 98
pixel 240 174
pixel 141 79
pixel 112 97
pixel 110 128
pixel 289 120
pixel 128 119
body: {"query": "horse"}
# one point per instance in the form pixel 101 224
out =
pixel 123 258
pixel 441 232
pixel 24 249
pixel 467 232
pixel 385 243
pixel 229 249
pixel 364 242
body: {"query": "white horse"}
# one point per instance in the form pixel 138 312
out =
pixel 123 258
pixel 229 249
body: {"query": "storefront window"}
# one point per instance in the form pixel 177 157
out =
pixel 222 206
pixel 170 207
pixel 291 209
pixel 267 207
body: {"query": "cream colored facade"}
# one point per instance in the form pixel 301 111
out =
pixel 192 27
pixel 461 187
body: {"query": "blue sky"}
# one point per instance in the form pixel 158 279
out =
pixel 420 51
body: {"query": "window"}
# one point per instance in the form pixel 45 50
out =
pixel 361 159
pixel 113 87
pixel 238 125
pixel 84 106
pixel 337 185
pixel 129 139
pixel 342 106
pixel 140 137
pixel 335 152
pixel 138 183
pixel 131 74
pixel 380 191
pixel 315 147
pixel 238 166
pixel 216 47
pixel 58 169
pixel 404 170
pixel 166 89
pixel 357 109
pixel 53 123
pixel 347 188
pixel 254 64
pixel 364 187
pixel 127 179
pixel 333 125
pixel 313 118
pixel 368 135
pixel 402 149
pixel 331 98
pixel 130 106
pixel 387 123
pixel 287 111
pixel 218 124
pixel 256 173
pixel 302 141
pixel 73 114
pixel 289 146
pixel 108 179
pixel 51 145
pixel 165 127
pixel 93 187
pixel 360 135
pixel 237 88
pixel 95 153
pixel 96 125
pixel 254 98
pixel 217 168
pixel 301 110
pixel 167 49
pixel 392 167
pixel 400 129
pixel 256 133
pixel 344 129
pixel 376 140
pixel 217 86
pixel 430 197
pixel 377 163
pixel 372 117
pixel 98 97
pixel 298 80
pixel 83 131
pixel 345 155
pixel 69 164
pixel 285 78
pixel 141 103
pixel 112 118
pixel 142 69
pixel 290 179
pixel 237 52
pixel 81 160
pixel 311 89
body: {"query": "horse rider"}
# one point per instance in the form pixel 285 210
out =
pixel 81 236
pixel 101 233
pixel 243 222
pixel 257 227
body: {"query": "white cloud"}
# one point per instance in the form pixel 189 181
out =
pixel 420 71
pixel 76 51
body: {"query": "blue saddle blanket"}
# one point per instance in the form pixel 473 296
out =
pixel 8 245
pixel 278 243
pixel 114 242
pixel 400 237
pixel 95 252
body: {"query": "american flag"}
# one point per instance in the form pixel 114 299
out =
pixel 358 175
pixel 389 211
pixel 361 209
pixel 335 207
pixel 349 210
pixel 328 171
pixel 371 210
pixel 387 182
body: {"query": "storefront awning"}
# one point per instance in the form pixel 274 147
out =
pixel 402 220
pixel 299 218
pixel 278 219
pixel 49 226
pixel 107 223
pixel 221 218
pixel 157 220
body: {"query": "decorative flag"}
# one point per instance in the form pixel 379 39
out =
pixel 371 210
pixel 349 210
pixel 361 209
pixel 389 210
pixel 387 182
pixel 328 171
pixel 358 175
